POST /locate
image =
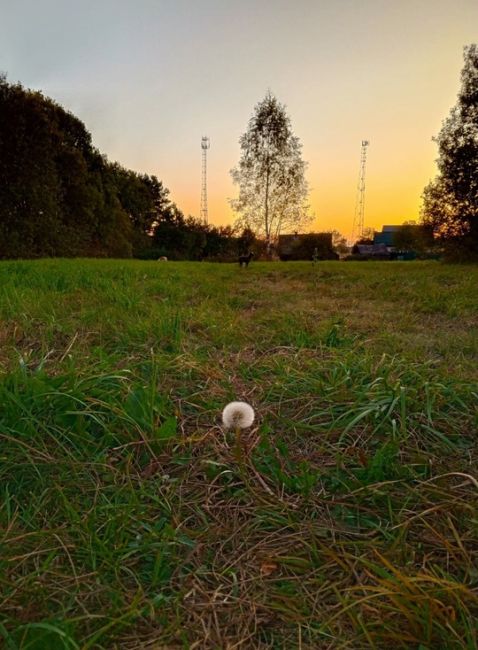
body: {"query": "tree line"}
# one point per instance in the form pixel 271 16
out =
pixel 59 196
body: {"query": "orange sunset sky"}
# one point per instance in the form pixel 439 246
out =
pixel 150 77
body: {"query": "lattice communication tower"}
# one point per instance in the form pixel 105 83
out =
pixel 205 144
pixel 358 227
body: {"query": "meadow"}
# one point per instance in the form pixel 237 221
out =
pixel 127 520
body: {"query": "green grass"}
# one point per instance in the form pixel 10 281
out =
pixel 125 519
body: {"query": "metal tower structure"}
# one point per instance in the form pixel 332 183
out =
pixel 358 227
pixel 204 146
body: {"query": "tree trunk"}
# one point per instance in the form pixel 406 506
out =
pixel 266 214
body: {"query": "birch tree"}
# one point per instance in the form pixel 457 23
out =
pixel 270 174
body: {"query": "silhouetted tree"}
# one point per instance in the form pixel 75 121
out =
pixel 30 188
pixel 58 194
pixel 144 199
pixel 171 234
pixel 451 200
pixel 247 241
pixel 114 229
pixel 221 242
pixel 414 237
pixel 270 174
pixel 339 242
pixel 187 238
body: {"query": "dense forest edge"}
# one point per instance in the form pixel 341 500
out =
pixel 61 197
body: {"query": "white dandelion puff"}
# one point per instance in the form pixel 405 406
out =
pixel 238 415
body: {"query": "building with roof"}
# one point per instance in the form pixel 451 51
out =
pixel 406 238
pixel 396 242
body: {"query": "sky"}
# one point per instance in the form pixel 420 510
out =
pixel 149 78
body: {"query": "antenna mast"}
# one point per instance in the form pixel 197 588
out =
pixel 204 146
pixel 358 227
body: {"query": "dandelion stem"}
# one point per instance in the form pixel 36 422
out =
pixel 238 450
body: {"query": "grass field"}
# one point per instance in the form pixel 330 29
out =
pixel 127 520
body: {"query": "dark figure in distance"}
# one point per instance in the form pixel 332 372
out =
pixel 245 259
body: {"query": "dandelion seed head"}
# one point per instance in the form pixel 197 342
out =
pixel 238 415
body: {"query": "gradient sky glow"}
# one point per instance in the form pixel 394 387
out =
pixel 150 77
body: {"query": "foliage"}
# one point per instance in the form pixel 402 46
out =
pixel 367 237
pixel 270 174
pixel 309 246
pixel 451 200
pixel 58 195
pixel 181 238
pixel 339 242
pixel 144 199
pixel 413 237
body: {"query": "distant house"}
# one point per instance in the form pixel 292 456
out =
pixel 396 242
pixel 301 247
pixel 404 241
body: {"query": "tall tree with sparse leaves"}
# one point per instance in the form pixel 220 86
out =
pixel 271 174
pixel 451 200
